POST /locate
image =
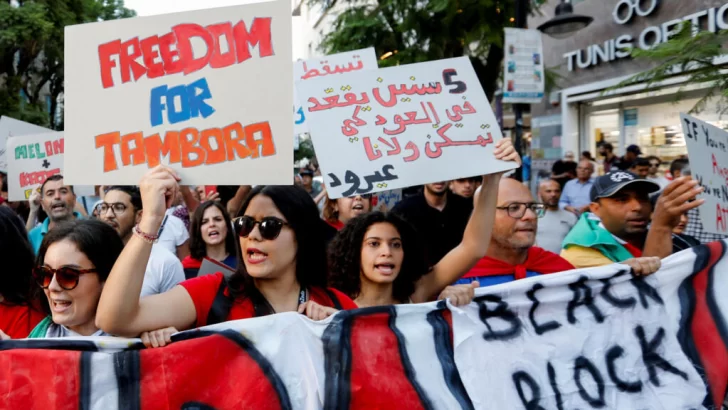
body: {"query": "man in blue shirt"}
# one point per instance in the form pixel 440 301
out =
pixel 58 201
pixel 575 196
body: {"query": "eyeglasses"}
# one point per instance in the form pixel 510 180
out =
pixel 116 208
pixel 66 277
pixel 270 227
pixel 518 209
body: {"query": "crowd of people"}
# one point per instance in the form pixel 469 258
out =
pixel 132 264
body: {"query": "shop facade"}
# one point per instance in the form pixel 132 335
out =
pixel 585 110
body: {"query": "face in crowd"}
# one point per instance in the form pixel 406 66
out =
pixel 550 193
pixel 624 214
pixel 381 254
pixel 654 167
pixel 516 217
pixel 118 212
pixel 437 189
pixel 464 187
pixel 213 228
pixel 349 208
pixel 58 200
pixel 584 170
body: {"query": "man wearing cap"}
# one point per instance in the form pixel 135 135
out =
pixel 616 228
pixel 625 163
pixel 308 183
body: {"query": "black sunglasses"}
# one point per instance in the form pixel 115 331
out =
pixel 66 277
pixel 270 226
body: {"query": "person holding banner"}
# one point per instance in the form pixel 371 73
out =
pixel 378 259
pixel 58 201
pixel 283 269
pixel 210 237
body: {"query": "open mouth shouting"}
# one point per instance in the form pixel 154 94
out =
pixel 255 256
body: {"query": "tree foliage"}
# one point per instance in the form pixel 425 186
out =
pixel 31 52
pixel 693 55
pixel 416 31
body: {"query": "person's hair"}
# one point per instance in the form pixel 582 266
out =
pixel 135 197
pixel 678 165
pixel 98 241
pixel 641 162
pixel 587 155
pixel 56 177
pixel 16 284
pixel 302 216
pixel 198 247
pixel 653 157
pixel 607 146
pixel 330 213
pixel 345 256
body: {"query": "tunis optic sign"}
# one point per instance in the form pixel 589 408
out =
pixel 628 11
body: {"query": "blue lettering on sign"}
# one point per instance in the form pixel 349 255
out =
pixel 191 99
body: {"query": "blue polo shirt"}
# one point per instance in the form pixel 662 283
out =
pixel 36 234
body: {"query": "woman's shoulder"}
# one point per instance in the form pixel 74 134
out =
pixel 41 330
pixel 331 297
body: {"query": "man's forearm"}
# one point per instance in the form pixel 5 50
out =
pixel 658 242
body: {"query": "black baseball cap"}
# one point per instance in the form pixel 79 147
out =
pixel 613 182
pixel 307 172
pixel 634 149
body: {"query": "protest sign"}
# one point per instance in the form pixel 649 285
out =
pixel 340 63
pixel 200 91
pixel 401 126
pixel 385 201
pixel 31 160
pixel 594 338
pixel 10 127
pixel 523 74
pixel 708 152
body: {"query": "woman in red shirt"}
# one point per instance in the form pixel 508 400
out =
pixel 337 212
pixel 211 237
pixel 283 269
pixel 19 311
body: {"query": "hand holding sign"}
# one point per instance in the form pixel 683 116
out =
pixel 673 202
pixel 158 189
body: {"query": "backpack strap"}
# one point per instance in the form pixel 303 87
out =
pixel 221 305
pixel 334 299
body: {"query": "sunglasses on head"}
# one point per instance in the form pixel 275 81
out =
pixel 269 227
pixel 66 277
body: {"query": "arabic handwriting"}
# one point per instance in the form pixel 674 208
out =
pixel 302 118
pixel 380 120
pixel 354 180
pixel 411 119
pixel 415 152
pixel 394 150
pixel 335 181
pixel 394 91
pixel 315 72
pixel 371 152
pixel 348 127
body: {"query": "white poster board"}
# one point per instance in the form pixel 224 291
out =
pixel 708 153
pixel 10 127
pixel 200 91
pixel 523 71
pixel 388 199
pixel 340 63
pixel 397 127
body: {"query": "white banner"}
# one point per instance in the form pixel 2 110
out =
pixel 523 71
pixel 397 127
pixel 10 127
pixel 200 91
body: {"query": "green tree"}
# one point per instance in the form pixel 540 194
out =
pixel 690 54
pixel 415 31
pixel 31 52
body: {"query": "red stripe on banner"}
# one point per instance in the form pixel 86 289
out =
pixel 40 379
pixel 447 315
pixel 213 370
pixel 378 378
pixel 708 341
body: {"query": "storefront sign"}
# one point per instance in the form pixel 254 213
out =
pixel 627 11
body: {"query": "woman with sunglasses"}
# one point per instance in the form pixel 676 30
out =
pixel 378 259
pixel 74 260
pixel 210 237
pixel 283 269
pixel 337 212
pixel 20 311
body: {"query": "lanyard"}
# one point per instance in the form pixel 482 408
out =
pixel 263 308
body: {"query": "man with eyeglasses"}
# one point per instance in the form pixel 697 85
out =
pixel 121 208
pixel 556 223
pixel 575 197
pixel 511 254
pixel 616 229
pixel 58 201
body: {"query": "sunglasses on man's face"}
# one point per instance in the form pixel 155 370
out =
pixel 269 227
pixel 66 277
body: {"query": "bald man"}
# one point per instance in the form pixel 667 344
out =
pixel 556 223
pixel 511 254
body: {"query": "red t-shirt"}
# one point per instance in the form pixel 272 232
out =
pixel 17 321
pixel 203 290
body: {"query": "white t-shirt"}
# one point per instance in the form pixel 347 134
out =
pixel 174 233
pixel 164 271
pixel 553 228
pixel 661 181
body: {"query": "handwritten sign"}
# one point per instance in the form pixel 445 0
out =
pixel 708 152
pixel 401 126
pixel 340 63
pixel 584 339
pixel 387 200
pixel 31 160
pixel 523 71
pixel 199 91
pixel 10 127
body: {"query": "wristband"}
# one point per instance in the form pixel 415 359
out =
pixel 146 237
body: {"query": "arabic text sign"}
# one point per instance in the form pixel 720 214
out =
pixel 199 91
pixel 708 152
pixel 401 126
pixel 10 127
pixel 340 63
pixel 583 339
pixel 523 74
pixel 31 160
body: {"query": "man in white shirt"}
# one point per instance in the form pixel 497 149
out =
pixel 122 210
pixel 174 236
pixel 556 224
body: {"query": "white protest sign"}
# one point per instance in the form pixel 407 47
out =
pixel 523 72
pixel 340 63
pixel 388 199
pixel 200 91
pixel 401 126
pixel 708 152
pixel 10 127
